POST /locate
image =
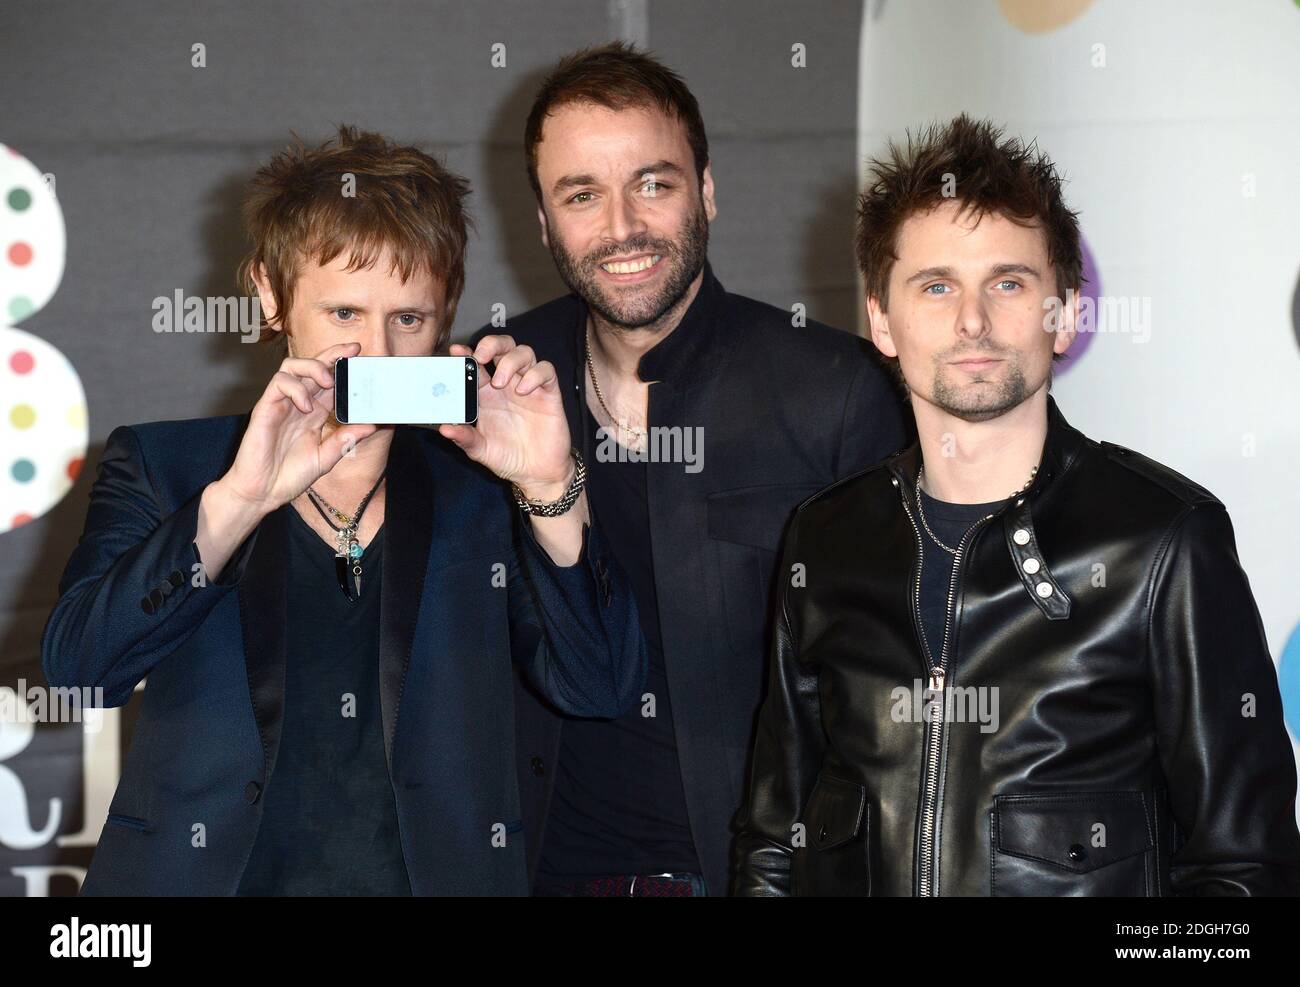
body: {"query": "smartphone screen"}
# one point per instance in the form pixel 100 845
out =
pixel 406 390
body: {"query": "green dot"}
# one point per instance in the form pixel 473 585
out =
pixel 19 198
pixel 20 306
pixel 23 470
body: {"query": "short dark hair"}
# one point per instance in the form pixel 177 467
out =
pixel 617 76
pixel 992 174
pixel 404 200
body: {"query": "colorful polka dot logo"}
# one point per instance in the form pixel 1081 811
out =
pixel 43 422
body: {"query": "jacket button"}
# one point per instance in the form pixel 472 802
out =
pixel 1044 590
pixel 252 792
pixel 146 605
pixel 538 766
pixel 1020 536
pixel 156 596
pixel 177 577
pixel 1030 565
pixel 1078 853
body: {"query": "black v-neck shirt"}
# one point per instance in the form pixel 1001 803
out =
pixel 329 822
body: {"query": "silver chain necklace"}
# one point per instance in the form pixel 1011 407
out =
pixel 920 508
pixel 637 433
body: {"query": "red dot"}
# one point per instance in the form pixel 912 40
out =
pixel 20 519
pixel 21 362
pixel 74 468
pixel 20 254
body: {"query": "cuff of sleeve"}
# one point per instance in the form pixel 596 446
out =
pixel 232 573
pixel 590 569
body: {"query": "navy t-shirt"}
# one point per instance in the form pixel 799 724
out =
pixel 950 522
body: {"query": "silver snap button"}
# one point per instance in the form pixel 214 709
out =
pixel 1044 590
pixel 1030 566
pixel 1020 501
pixel 894 480
pixel 1020 536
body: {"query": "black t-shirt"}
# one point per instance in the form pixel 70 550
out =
pixel 618 806
pixel 329 822
pixel 950 522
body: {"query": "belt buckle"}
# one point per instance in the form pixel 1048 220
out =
pixel 631 891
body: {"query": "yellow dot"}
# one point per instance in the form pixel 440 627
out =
pixel 22 416
pixel 77 415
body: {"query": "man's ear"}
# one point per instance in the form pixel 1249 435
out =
pixel 541 220
pixel 706 193
pixel 265 296
pixel 1069 322
pixel 878 325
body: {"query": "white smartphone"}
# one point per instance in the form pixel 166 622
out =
pixel 406 390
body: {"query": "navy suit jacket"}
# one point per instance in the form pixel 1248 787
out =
pixel 467 596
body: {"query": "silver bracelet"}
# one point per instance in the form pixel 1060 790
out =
pixel 561 506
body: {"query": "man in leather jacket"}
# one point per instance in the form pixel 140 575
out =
pixel 1010 659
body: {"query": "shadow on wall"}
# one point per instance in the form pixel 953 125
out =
pixel 509 195
pixel 223 247
pixel 828 261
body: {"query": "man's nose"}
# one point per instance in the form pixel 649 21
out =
pixel 972 318
pixel 624 219
pixel 376 342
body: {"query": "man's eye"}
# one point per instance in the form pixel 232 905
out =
pixel 414 320
pixel 344 314
pixel 579 197
pixel 929 289
pixel 654 187
pixel 1014 284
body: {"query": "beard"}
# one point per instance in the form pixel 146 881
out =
pixel 978 402
pixel 637 306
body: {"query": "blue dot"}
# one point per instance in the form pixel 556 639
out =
pixel 23 470
pixel 1288 680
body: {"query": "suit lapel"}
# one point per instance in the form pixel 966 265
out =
pixel 261 614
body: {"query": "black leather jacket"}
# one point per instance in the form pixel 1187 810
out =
pixel 1139 747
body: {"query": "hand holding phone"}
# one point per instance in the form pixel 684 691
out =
pixel 522 434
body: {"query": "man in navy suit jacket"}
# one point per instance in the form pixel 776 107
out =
pixel 206 560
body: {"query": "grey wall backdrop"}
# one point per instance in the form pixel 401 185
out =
pixel 149 154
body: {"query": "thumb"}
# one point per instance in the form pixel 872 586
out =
pixel 468 438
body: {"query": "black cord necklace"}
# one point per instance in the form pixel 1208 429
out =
pixel 348 551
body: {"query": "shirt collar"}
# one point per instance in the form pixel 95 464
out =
pixel 1060 448
pixel 688 354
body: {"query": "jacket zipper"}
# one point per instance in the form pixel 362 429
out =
pixel 938 675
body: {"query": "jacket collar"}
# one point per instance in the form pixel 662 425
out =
pixel 1060 450
pixel 690 353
